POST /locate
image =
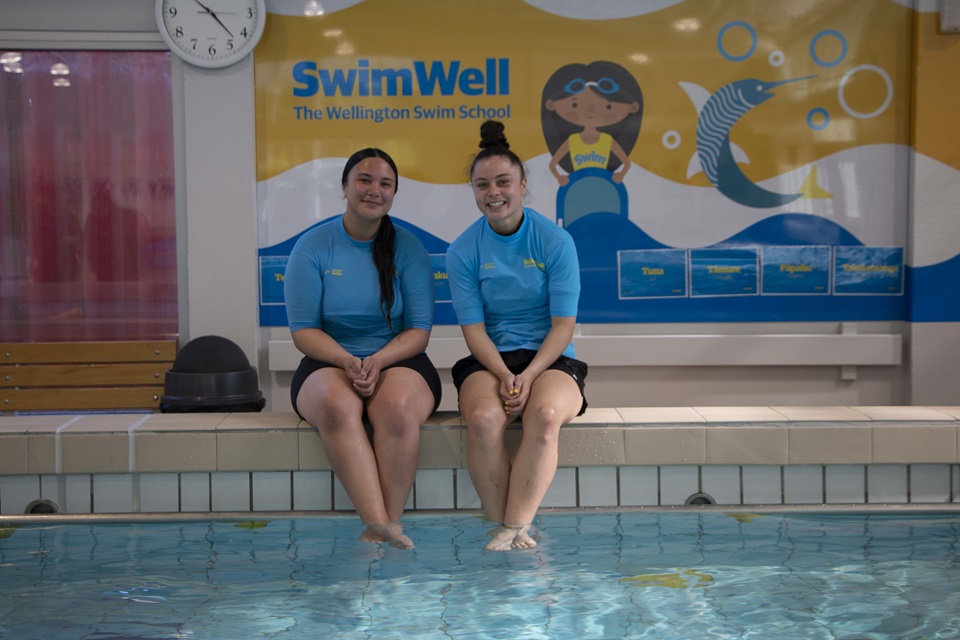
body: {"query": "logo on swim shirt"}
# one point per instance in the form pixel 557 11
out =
pixel 333 272
pixel 530 262
pixel 488 265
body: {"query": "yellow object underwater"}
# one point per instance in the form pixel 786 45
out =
pixel 7 531
pixel 744 518
pixel 686 579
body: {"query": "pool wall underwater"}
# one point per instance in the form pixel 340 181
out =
pixel 609 458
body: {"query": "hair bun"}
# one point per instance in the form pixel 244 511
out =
pixel 491 135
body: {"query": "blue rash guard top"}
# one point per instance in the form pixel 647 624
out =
pixel 514 284
pixel 331 284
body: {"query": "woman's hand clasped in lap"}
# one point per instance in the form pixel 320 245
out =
pixel 366 382
pixel 514 392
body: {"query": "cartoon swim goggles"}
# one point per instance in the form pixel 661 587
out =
pixel 603 85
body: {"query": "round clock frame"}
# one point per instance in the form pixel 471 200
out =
pixel 211 33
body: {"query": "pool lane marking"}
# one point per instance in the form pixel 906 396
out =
pixel 57 449
pixel 131 463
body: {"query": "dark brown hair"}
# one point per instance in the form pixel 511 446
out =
pixel 383 243
pixel 494 143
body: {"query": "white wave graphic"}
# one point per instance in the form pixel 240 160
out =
pixel 605 10
pixel 869 187
pixel 936 225
pixel 922 6
pixel 870 198
pixel 308 7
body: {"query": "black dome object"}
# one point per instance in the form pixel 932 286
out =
pixel 211 374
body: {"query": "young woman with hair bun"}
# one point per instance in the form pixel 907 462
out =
pixel 515 282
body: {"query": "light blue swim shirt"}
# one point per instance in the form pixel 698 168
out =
pixel 514 284
pixel 331 284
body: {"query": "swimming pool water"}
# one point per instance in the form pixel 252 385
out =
pixel 684 575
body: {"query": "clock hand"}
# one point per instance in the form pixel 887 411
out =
pixel 220 23
pixel 214 16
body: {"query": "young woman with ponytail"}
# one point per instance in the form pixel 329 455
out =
pixel 360 296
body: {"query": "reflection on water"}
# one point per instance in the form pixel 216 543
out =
pixel 604 575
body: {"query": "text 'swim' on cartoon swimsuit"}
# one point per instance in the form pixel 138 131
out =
pixel 584 155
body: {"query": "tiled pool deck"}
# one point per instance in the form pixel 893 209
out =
pixel 627 457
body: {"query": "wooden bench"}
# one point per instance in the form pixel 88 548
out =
pixel 81 376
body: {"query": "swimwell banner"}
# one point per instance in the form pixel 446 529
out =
pixel 714 160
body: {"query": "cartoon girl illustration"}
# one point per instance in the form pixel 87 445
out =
pixel 591 117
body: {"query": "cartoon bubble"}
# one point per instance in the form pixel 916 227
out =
pixel 846 79
pixel 833 34
pixel 818 119
pixel 671 139
pixel 723 32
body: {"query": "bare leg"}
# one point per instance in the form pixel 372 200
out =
pixel 397 410
pixel 554 401
pixel 328 402
pixel 487 458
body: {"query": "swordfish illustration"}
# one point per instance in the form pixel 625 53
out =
pixel 718 156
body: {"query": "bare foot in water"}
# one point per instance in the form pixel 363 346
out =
pixel 523 540
pixel 506 537
pixel 389 532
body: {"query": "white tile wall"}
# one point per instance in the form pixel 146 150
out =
pixel 434 489
pixel 762 484
pixel 563 489
pixel 159 492
pixel 626 486
pixel 677 483
pixel 77 494
pixel 342 502
pixel 230 491
pixel 194 492
pixel 272 491
pixel 16 492
pixel 467 497
pixel 721 482
pixel 312 490
pixel 803 484
pixel 639 486
pixel 930 483
pixel 53 488
pixel 887 483
pixel 955 483
pixel 598 486
pixel 114 493
pixel 845 484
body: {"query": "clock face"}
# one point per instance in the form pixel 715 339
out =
pixel 211 33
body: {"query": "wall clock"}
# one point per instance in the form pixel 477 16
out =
pixel 211 33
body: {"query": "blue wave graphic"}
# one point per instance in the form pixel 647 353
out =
pixel 793 229
pixel 430 241
pixel 933 292
pixel 599 236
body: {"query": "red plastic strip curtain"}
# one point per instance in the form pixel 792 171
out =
pixel 87 209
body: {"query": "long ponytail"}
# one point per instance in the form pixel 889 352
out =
pixel 383 259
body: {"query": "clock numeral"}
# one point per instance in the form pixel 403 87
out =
pixel 193 41
pixel 172 12
pixel 249 12
pixel 212 50
pixel 243 32
pixel 179 32
pixel 229 44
